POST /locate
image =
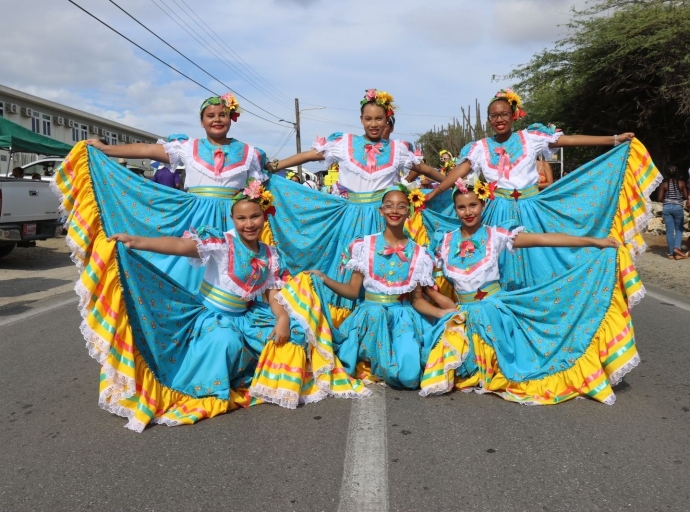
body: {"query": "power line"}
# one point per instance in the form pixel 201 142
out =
pixel 186 58
pixel 165 63
pixel 233 52
pixel 209 46
pixel 287 139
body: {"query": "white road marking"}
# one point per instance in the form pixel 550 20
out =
pixel 37 311
pixel 365 479
pixel 668 300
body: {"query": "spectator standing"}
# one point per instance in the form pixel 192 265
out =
pixel 673 192
pixel 164 176
pixel 545 173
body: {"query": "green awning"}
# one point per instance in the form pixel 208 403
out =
pixel 22 140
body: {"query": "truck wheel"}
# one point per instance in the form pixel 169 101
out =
pixel 5 250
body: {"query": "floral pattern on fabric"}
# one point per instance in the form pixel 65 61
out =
pixel 366 166
pixel 469 263
pixel 512 163
pixel 389 270
pixel 207 164
pixel 233 267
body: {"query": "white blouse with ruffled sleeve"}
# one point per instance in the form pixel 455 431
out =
pixel 367 166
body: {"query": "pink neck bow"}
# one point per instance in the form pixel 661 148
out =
pixel 372 151
pixel 257 266
pixel 218 161
pixel 504 164
pixel 467 247
pixel 399 250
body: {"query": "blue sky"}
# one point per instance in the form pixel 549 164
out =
pixel 433 56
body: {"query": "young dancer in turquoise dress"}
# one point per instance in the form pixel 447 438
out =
pixel 606 197
pixel 382 338
pixel 566 337
pixel 318 228
pixel 216 168
pixel 196 356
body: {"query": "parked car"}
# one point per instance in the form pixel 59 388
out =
pixel 28 212
pixel 45 167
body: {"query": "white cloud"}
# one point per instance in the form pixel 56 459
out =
pixel 434 57
pixel 528 21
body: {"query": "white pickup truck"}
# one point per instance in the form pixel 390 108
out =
pixel 28 212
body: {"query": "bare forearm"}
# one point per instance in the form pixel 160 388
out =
pixel 583 140
pixel 344 290
pixel 440 299
pixel 171 245
pixel 278 310
pixel 448 182
pixel 138 150
pixel 428 171
pixel 300 158
pixel 424 307
pixel 523 240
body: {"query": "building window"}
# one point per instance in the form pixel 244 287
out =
pixel 46 125
pixel 2 109
pixel 36 122
pixel 111 137
pixel 75 133
pixel 84 132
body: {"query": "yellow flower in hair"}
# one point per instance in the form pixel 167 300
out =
pixel 384 99
pixel 482 190
pixel 265 200
pixel 417 198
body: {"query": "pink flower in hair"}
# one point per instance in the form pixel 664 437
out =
pixel 461 186
pixel 370 94
pixel 253 190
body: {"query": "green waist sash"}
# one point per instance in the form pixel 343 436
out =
pixel 516 194
pixel 487 290
pixel 221 192
pixel 366 197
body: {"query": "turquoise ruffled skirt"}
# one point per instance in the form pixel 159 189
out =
pixel 189 346
pixel 608 196
pixel 570 336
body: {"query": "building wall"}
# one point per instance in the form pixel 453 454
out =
pixel 62 123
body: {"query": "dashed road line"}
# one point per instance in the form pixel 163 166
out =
pixel 668 300
pixel 365 478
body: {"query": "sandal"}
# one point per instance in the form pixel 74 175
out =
pixel 680 255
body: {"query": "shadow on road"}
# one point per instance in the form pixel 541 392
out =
pixel 23 286
pixel 16 308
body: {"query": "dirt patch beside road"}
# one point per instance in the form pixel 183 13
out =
pixel 656 269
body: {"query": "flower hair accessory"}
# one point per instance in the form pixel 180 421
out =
pixel 461 186
pixel 415 196
pixel 513 100
pixel 381 98
pixel 481 188
pixel 229 102
pixel 255 192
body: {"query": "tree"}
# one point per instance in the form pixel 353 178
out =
pixel 452 137
pixel 624 67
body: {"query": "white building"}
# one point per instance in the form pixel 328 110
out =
pixel 62 123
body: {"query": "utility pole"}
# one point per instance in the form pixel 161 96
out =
pixel 298 138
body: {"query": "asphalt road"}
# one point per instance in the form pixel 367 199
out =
pixel 60 451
